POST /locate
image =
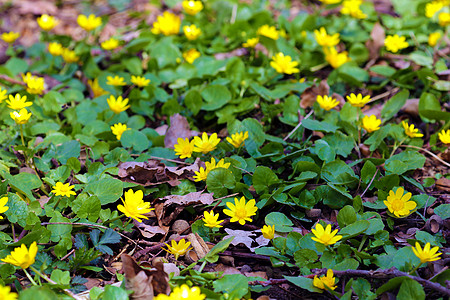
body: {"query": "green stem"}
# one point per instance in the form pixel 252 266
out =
pixel 57 202
pixel 202 266
pixel 21 135
pixel 29 276
pixel 396 147
pixel 45 277
pixel 114 219
pixel 415 269
pixel 362 243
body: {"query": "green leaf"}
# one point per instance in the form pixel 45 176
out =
pixel 38 292
pixel 263 178
pixel 219 181
pixel 16 66
pixel 353 74
pixel 134 65
pixel 430 108
pixel 346 216
pixel 193 101
pixel 323 150
pixel 60 277
pixel 410 289
pixel 404 161
pixel 24 183
pixel 135 139
pixel 443 211
pixel 215 96
pixel 67 150
pixel 165 52
pixel 392 284
pixel 303 257
pixel 304 283
pixel 394 104
pixel 212 256
pixel 338 173
pixel 422 59
pixel 354 229
pixel 235 285
pixel 281 222
pixel 386 71
pixel 368 171
pixel 18 209
pixel 114 293
pixel 108 190
pixel 318 126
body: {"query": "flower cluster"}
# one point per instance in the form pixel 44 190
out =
pixel 18 103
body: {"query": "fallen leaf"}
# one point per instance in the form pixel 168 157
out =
pixel 179 128
pixel 240 237
pixel 411 107
pixel 376 42
pixel 227 270
pixel 149 231
pixel 443 184
pixel 198 245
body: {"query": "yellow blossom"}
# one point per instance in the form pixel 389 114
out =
pixel 55 49
pixel 117 105
pixel 268 31
pixel 444 18
pixel 251 43
pixel 35 85
pixel 330 1
pixel 426 254
pixel 352 8
pixel 238 139
pixel 115 81
pixel 444 136
pixel 20 117
pixel 191 55
pixel 325 236
pixel 192 32
pixel 139 81
pixel 328 280
pixel 334 58
pixel 118 129
pixel 89 23
pixel 432 8
pixel 70 56
pixel 201 175
pixel 433 38
pixel 47 22
pixel 326 102
pixel 241 211
pixel 268 231
pixel 211 219
pixel 179 248
pixel 205 144
pixel 324 39
pixel 410 130
pixel 192 7
pixel 6 294
pixel 21 256
pixel 167 24
pixel 399 204
pixel 110 44
pixel 63 189
pixel 18 102
pixel 183 292
pixel 394 43
pixel 96 88
pixel 134 206
pixel 371 123
pixel 3 206
pixel 10 37
pixel 284 64
pixel 358 100
pixel 184 148
pixel 2 94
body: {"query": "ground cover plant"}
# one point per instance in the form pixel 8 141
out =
pixel 224 149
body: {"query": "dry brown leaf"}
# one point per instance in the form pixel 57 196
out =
pixel 198 245
pixel 179 128
pixel 443 184
pixel 377 41
pixel 308 97
pixel 149 231
pixel 257 274
pixel 240 237
pixel 227 270
pixel 411 107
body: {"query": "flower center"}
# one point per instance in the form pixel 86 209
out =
pixel 397 204
pixel 241 213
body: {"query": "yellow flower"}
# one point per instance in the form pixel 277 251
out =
pixel 179 248
pixel 211 219
pixel 2 94
pixel 330 1
pixel 63 189
pixel 96 88
pixel 328 280
pixel 118 129
pixel 20 117
pixel 326 102
pixel 334 58
pixel 426 254
pixel 134 206
pixel 433 38
pixel 21 256
pixel 117 105
pixel 268 231
pixel 444 136
pixel 352 8
pixel 241 211
pixel 3 206
pixel 324 39
pixel 394 43
pixel 10 37
pixel 70 56
pixel 444 19
pixel 192 7
pixel 238 139
pixel 110 44
pixel 251 43
pixel 115 81
pixel 191 55
pixel 182 293
pixel 35 85
pixel 167 24
pixel 205 144
pixel 192 32
pixel 325 236
pixel 358 100
pixel 411 131
pixel 201 175
pixel 184 148
pixel 284 64
pixel 5 293
pixel 371 123
pixel 17 102
pixel 47 22
pixel 89 23
pixel 399 204
pixel 432 8
pixel 139 81
pixel 55 49
pixel 268 31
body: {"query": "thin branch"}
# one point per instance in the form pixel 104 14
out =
pixel 380 96
pixel 373 178
pixel 298 125
pixel 11 80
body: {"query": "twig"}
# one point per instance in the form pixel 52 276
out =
pixel 380 96
pixel 428 152
pixel 156 247
pixel 373 178
pixel 298 125
pixel 171 160
pixel 11 80
pixel 221 198
pixel 245 255
pixel 67 255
